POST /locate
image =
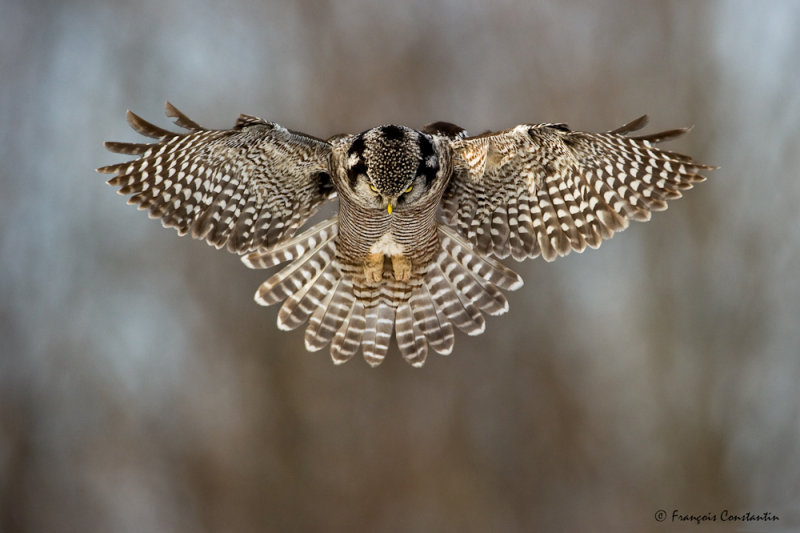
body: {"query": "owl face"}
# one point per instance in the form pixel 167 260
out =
pixel 389 167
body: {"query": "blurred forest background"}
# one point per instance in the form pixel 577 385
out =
pixel 142 389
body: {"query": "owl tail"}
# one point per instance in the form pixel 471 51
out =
pixel 456 287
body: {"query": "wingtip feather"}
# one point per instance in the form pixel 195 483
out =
pixel 146 128
pixel 179 118
pixel 633 125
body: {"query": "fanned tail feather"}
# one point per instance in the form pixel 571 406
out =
pixel 433 324
pixel 329 317
pixel 368 340
pixel 483 267
pixel 410 338
pixel 379 324
pixel 488 298
pixel 299 307
pixel 290 280
pixel 463 315
pixel 348 337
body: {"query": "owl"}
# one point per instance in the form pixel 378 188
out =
pixel 423 218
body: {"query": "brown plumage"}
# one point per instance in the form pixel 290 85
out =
pixel 421 213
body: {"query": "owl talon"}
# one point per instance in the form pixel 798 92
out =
pixel 373 268
pixel 402 267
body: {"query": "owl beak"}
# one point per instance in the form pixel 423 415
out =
pixel 389 207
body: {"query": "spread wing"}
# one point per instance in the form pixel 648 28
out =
pixel 245 188
pixel 543 189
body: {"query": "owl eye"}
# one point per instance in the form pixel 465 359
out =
pixel 409 189
pixel 371 186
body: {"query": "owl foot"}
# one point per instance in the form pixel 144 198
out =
pixel 402 267
pixel 373 268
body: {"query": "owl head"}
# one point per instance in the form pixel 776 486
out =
pixel 389 167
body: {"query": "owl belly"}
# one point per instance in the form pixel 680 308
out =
pixel 387 245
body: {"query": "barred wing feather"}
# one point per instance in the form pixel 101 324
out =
pixel 546 190
pixel 245 188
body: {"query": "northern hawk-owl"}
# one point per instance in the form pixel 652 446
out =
pixel 423 215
